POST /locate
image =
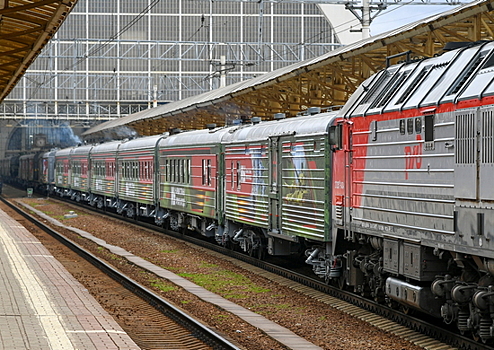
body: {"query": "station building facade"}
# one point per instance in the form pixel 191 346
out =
pixel 112 58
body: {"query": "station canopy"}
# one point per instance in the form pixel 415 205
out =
pixel 26 26
pixel 324 81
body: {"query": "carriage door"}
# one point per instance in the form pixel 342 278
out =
pixel 274 184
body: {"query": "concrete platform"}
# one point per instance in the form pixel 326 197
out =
pixel 42 306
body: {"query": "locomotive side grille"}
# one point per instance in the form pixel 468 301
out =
pixel 465 138
pixel 487 137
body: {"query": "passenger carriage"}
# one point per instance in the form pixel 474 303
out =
pixel 79 172
pixel 62 171
pixel 103 174
pixel 135 190
pixel 190 181
pixel 275 184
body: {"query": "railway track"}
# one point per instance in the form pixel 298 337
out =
pixel 432 335
pixel 181 330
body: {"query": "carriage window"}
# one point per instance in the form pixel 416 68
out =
pixel 206 172
pixel 174 170
pixel 150 170
pixel 182 171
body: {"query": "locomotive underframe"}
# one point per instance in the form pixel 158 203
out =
pixel 459 288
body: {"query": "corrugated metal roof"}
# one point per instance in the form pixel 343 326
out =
pixel 223 95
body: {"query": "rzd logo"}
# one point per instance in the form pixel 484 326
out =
pixel 413 157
